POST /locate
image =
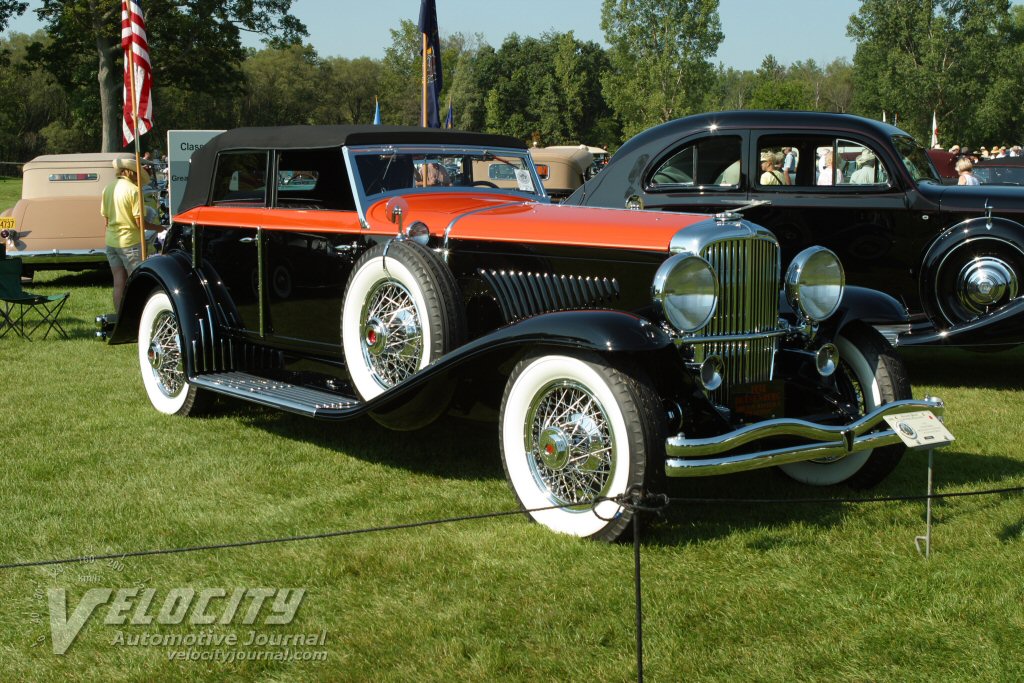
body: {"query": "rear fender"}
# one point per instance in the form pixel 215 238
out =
pixel 173 273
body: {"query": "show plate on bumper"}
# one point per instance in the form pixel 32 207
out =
pixel 724 454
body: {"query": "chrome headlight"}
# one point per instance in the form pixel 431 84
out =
pixel 814 283
pixel 686 286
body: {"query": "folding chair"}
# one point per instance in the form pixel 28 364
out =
pixel 16 304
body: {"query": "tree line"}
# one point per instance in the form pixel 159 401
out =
pixel 60 87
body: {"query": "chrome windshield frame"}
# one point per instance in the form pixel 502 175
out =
pixel 364 201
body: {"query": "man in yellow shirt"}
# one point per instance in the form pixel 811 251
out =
pixel 120 206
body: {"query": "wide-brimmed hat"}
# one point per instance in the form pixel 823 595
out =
pixel 865 157
pixel 128 164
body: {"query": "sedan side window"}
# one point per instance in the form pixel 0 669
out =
pixel 707 162
pixel 860 164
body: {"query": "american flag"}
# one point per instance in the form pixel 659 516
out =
pixel 133 36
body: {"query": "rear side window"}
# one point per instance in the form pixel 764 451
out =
pixel 313 179
pixel 241 178
pixel 713 161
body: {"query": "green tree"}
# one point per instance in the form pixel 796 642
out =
pixel 346 90
pixel 775 88
pixel 30 100
pixel 9 9
pixel 916 57
pixel 282 86
pixel 401 76
pixel 194 45
pixel 659 54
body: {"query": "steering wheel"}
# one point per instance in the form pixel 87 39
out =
pixel 484 183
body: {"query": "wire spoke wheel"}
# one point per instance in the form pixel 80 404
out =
pixel 164 354
pixel 392 333
pixel 578 430
pixel 570 444
pixel 162 360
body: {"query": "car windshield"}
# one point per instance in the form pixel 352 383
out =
pixel 915 159
pixel 392 169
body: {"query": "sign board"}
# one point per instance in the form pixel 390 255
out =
pixel 181 144
pixel 920 430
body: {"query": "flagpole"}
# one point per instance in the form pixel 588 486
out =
pixel 423 117
pixel 135 129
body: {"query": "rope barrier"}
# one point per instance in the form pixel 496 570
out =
pixel 635 500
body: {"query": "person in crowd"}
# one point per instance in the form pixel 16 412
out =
pixel 955 149
pixel 120 205
pixel 769 175
pixel 828 175
pixel 984 152
pixel 965 171
pixel 789 163
pixel 865 173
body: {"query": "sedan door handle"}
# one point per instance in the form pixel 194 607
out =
pixel 247 240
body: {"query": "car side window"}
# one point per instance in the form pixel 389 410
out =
pixel 860 164
pixel 713 161
pixel 313 179
pixel 816 162
pixel 241 178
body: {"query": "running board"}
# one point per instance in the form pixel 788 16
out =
pixel 276 394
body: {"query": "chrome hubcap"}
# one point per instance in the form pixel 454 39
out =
pixel 164 355
pixel 569 443
pixel 392 338
pixel 985 282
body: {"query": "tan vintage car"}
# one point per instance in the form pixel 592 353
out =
pixel 562 169
pixel 57 223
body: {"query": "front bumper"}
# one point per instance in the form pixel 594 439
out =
pixel 725 453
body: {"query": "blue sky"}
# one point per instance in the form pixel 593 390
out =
pixel 789 29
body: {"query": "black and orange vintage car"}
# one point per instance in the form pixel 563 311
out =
pixel 954 255
pixel 345 271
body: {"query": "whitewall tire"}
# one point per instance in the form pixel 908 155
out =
pixel 869 375
pixel 575 429
pixel 162 360
pixel 401 312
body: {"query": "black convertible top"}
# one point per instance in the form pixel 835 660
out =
pixel 203 161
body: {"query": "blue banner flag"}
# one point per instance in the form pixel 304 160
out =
pixel 432 64
pixel 376 112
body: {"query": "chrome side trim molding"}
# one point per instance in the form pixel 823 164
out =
pixel 689 457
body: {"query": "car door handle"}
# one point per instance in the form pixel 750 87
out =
pixel 247 240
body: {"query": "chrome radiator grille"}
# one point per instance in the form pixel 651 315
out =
pixel 749 279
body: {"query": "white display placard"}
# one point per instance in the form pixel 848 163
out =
pixel 920 430
pixel 181 144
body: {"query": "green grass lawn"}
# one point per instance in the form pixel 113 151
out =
pixel 10 192
pixel 731 592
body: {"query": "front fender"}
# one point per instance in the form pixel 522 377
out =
pixel 603 331
pixel 865 305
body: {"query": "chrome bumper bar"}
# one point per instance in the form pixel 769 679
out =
pixel 689 457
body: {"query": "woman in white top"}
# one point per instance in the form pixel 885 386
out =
pixel 827 175
pixel 965 169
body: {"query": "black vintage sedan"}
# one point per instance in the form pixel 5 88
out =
pixel 867 190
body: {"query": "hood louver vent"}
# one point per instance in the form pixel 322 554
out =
pixel 521 295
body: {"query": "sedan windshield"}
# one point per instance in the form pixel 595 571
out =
pixel 915 159
pixel 394 169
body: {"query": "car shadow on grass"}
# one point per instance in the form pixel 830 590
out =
pixel 450 447
pixel 703 509
pixel 954 367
